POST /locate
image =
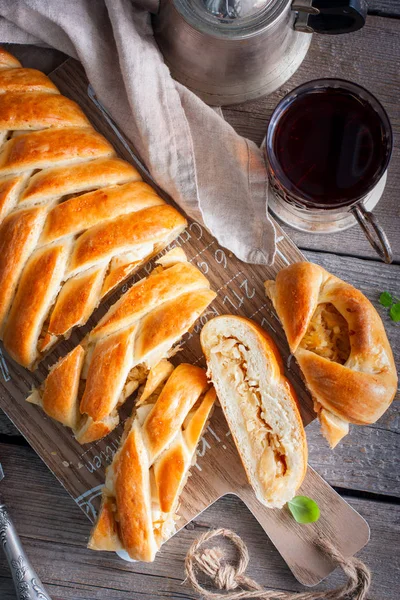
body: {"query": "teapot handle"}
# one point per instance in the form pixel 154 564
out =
pixel 330 16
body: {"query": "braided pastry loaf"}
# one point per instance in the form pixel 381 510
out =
pixel 84 389
pixel 75 221
pixel 259 404
pixel 149 470
pixel 340 343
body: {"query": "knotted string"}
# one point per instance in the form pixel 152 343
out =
pixel 229 577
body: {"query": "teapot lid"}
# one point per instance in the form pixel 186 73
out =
pixel 230 18
pixel 226 10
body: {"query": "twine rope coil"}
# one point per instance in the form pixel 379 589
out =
pixel 229 577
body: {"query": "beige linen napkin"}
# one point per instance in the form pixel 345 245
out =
pixel 215 175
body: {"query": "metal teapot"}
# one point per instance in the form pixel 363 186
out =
pixel 229 51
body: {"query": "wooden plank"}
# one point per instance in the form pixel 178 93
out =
pixel 367 460
pixel 370 454
pixel 360 452
pixel 36 57
pixel 7 428
pixel 370 57
pixel 384 7
pixel 54 532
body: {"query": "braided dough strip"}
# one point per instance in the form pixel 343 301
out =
pixel 85 388
pixel 348 366
pixel 75 220
pixel 145 480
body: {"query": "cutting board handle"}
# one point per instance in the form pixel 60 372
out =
pixel 339 524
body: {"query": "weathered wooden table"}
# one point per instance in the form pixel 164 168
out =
pixel 364 468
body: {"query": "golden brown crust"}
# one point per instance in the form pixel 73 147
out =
pixel 149 471
pixel 84 212
pixel 167 322
pixel 173 404
pixel 155 378
pixel 132 491
pixel 133 338
pixel 39 283
pixel 35 110
pixel 356 396
pixel 61 181
pixel 18 236
pixel 76 301
pixel 117 275
pixel 124 234
pixel 25 80
pixel 333 427
pixel 92 203
pixel 90 430
pixel 359 390
pixel 195 427
pixel 47 148
pixel 111 356
pixel 104 534
pixel 295 292
pixel 59 399
pixel 147 294
pixel 9 192
pixel 168 473
pixel 7 60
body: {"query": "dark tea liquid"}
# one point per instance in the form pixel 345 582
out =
pixel 330 145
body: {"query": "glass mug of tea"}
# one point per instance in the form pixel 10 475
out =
pixel 328 146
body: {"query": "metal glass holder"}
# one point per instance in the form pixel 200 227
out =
pixel 321 221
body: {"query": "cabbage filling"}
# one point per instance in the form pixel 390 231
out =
pixel 328 334
pixel 266 444
pixel 136 377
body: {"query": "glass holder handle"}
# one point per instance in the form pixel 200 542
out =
pixel 373 231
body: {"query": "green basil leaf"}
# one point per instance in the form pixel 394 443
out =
pixel 304 509
pixel 395 312
pixel 386 299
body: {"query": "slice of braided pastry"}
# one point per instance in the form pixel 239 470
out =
pixel 75 220
pixel 340 343
pixel 146 478
pixel 259 404
pixel 85 388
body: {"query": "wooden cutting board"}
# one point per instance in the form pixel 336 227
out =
pixel 81 469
